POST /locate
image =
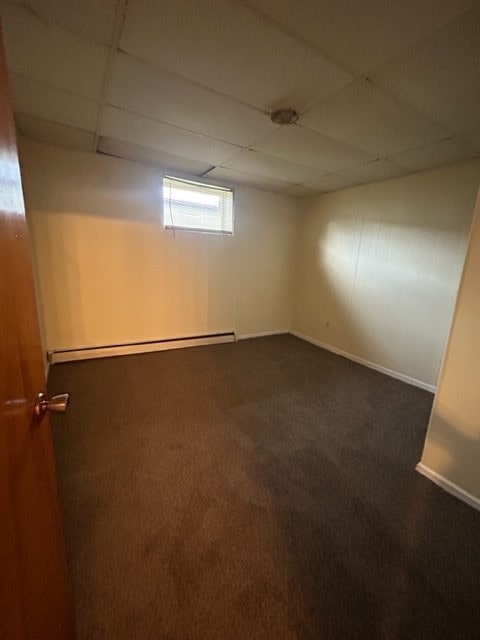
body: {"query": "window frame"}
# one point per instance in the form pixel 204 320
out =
pixel 190 181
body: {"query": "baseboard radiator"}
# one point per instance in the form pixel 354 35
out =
pixel 107 351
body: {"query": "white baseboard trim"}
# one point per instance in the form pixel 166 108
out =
pixel 262 334
pixel 366 363
pixel 108 351
pixel 449 487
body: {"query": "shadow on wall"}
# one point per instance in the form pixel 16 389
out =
pixel 56 244
pixel 452 453
pixel 88 214
pixel 380 289
pixel 109 280
pixel 70 182
pixel 110 273
pixel 324 286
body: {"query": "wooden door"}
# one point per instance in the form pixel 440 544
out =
pixel 34 593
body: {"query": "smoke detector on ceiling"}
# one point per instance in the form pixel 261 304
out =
pixel 284 116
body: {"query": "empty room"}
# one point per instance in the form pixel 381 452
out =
pixel 240 320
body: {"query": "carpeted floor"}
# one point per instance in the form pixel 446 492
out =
pixel 259 490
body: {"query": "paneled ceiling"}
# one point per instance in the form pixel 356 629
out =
pixel 382 88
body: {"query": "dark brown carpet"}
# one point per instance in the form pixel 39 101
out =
pixel 259 490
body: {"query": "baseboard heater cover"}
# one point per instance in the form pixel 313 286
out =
pixel 107 351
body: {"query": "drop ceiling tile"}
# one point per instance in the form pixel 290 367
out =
pixel 362 35
pixel 441 76
pixel 147 155
pixel 295 143
pixel 57 105
pixel 91 18
pixel 47 53
pixel 366 117
pixel 224 45
pixel 222 174
pixel 372 171
pixel 54 133
pixel 299 191
pixel 331 182
pixel 272 167
pixel 129 127
pixel 161 95
pixel 438 154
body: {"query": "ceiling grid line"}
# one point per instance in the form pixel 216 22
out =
pixel 174 126
pixel 381 90
pixel 120 12
pixel 294 34
pixel 332 60
pixel 38 15
pixel 175 74
pixel 412 46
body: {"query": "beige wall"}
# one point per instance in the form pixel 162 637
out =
pixel 452 447
pixel 378 267
pixel 375 275
pixel 108 272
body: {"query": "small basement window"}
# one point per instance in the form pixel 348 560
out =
pixel 195 206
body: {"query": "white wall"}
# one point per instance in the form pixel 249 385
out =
pixel 452 447
pixel 378 267
pixel 109 273
pixel 375 274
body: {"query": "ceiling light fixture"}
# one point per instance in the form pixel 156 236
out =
pixel 284 116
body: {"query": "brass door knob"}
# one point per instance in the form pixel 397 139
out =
pixel 55 404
